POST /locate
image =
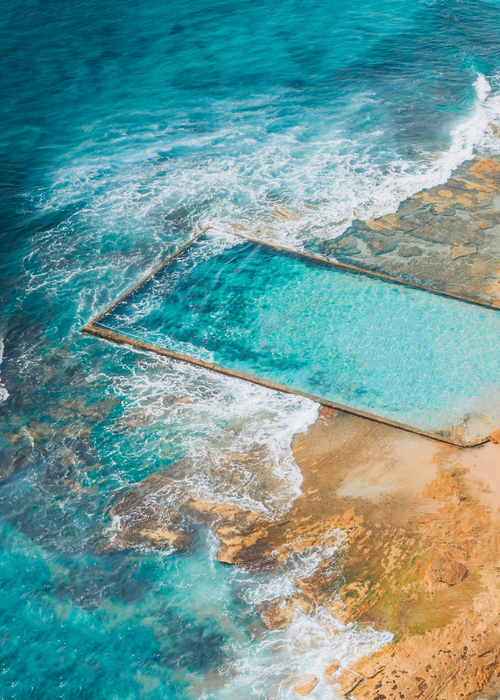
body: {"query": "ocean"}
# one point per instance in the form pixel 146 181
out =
pixel 127 128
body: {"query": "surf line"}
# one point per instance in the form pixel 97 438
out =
pixel 107 334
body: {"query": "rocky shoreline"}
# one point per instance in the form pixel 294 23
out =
pixel 445 237
pixel 419 529
pixel 413 524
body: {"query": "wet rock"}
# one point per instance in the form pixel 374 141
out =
pixel 144 518
pixel 305 603
pixel 409 251
pixel 444 570
pixel 349 245
pixel 256 629
pixel 397 497
pixel 461 251
pixel 486 169
pixel 491 691
pixel 221 512
pixel 17 449
pixel 276 613
pixel 239 530
pixel 286 214
pixel 379 242
pixel 148 530
pixel 347 680
pixel 446 193
pixel 415 243
pixel 306 685
pixel 331 670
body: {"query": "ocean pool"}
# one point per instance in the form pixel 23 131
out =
pixel 351 340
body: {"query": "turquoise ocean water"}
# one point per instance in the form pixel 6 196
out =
pixel 125 128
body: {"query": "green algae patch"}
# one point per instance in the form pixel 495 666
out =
pixel 441 609
pixel 382 593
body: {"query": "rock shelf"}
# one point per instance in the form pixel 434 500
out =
pixel 446 237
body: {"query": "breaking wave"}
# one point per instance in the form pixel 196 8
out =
pixel 275 660
pixel 282 187
pixel 236 437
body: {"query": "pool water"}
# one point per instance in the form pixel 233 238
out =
pixel 371 345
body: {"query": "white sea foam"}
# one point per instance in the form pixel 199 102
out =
pixel 360 189
pixel 234 437
pixel 283 187
pixel 272 664
pixel 490 142
pixel 275 660
pixel 4 394
pixel 299 565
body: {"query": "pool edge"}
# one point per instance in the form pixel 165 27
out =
pixel 112 336
pixel 146 277
pixel 362 270
pixel 91 329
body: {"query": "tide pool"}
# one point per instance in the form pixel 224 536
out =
pixel 351 339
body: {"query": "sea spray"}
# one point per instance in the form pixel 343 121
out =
pixel 246 416
pixel 325 185
pixel 236 436
pixel 362 189
pixel 277 659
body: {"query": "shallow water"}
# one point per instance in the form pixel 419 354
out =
pixel 387 349
pixel 127 127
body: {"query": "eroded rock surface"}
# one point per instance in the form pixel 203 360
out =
pixel 445 570
pixel 145 518
pixel 347 681
pixel 446 237
pixel 491 691
pixel 407 533
pixel 331 671
pixel 415 534
pixel 276 613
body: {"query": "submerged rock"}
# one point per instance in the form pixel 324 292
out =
pixel 276 613
pixel 460 251
pixel 157 527
pixel 145 518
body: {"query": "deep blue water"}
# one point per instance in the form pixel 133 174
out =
pixel 126 127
